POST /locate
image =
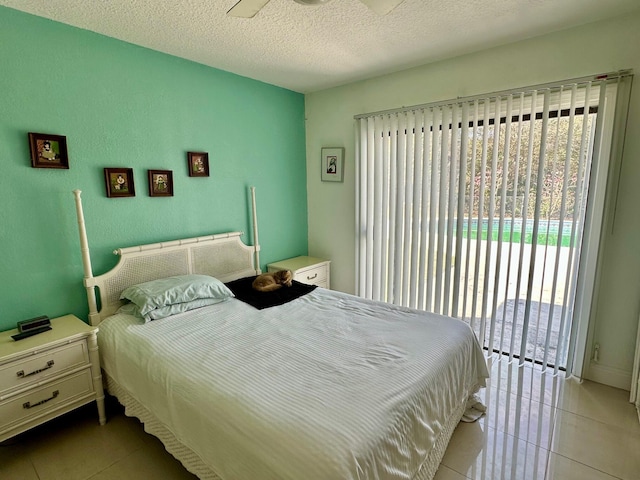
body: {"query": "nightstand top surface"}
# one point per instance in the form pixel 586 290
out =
pixel 62 328
pixel 297 263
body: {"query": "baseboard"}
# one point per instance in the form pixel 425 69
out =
pixel 613 377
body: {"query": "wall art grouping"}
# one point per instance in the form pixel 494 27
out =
pixel 119 181
pixel 50 151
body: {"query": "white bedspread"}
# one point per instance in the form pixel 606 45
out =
pixel 326 387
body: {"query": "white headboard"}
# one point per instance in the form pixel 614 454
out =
pixel 223 256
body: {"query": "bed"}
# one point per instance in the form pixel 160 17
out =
pixel 325 386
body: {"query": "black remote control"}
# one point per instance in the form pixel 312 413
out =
pixel 29 333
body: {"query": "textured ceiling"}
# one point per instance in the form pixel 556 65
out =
pixel 309 48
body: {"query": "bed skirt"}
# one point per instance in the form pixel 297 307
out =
pixel 189 459
pixel 194 464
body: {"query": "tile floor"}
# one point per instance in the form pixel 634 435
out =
pixel 537 427
pixel 544 427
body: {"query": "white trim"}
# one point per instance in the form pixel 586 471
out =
pixel 607 158
pixel 635 376
pixel 614 377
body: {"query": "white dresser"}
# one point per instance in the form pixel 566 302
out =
pixel 48 374
pixel 310 270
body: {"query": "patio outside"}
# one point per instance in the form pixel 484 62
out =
pixel 507 313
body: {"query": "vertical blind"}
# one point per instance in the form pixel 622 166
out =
pixel 476 208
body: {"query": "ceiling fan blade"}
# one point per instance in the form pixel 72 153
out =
pixel 247 8
pixel 382 7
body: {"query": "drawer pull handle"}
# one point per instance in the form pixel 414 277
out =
pixel 28 405
pixel 21 373
pixel 311 278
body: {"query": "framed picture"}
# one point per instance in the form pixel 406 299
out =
pixel 160 183
pixel 198 164
pixel 119 182
pixel 48 151
pixel 332 164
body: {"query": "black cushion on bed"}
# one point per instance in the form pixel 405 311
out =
pixel 243 290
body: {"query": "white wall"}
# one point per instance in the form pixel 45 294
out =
pixel 600 47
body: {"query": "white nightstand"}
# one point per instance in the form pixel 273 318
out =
pixel 311 270
pixel 48 374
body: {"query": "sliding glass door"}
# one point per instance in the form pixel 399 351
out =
pixel 477 209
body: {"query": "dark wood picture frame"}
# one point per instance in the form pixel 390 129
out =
pixel 48 151
pixel 119 182
pixel 198 164
pixel 332 164
pixel 160 183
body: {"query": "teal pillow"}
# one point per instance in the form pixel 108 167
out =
pixel 176 308
pixel 169 291
pixel 130 309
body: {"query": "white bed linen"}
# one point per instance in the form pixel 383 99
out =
pixel 328 386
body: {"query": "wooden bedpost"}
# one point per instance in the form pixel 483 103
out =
pixel 256 242
pixel 89 284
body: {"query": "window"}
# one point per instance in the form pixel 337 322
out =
pixel 489 209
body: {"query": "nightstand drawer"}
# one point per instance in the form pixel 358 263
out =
pixel 42 365
pixel 46 375
pixel 40 401
pixel 312 276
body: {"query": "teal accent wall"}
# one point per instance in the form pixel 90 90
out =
pixel 120 105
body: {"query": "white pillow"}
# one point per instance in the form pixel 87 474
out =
pixel 180 289
pixel 169 310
